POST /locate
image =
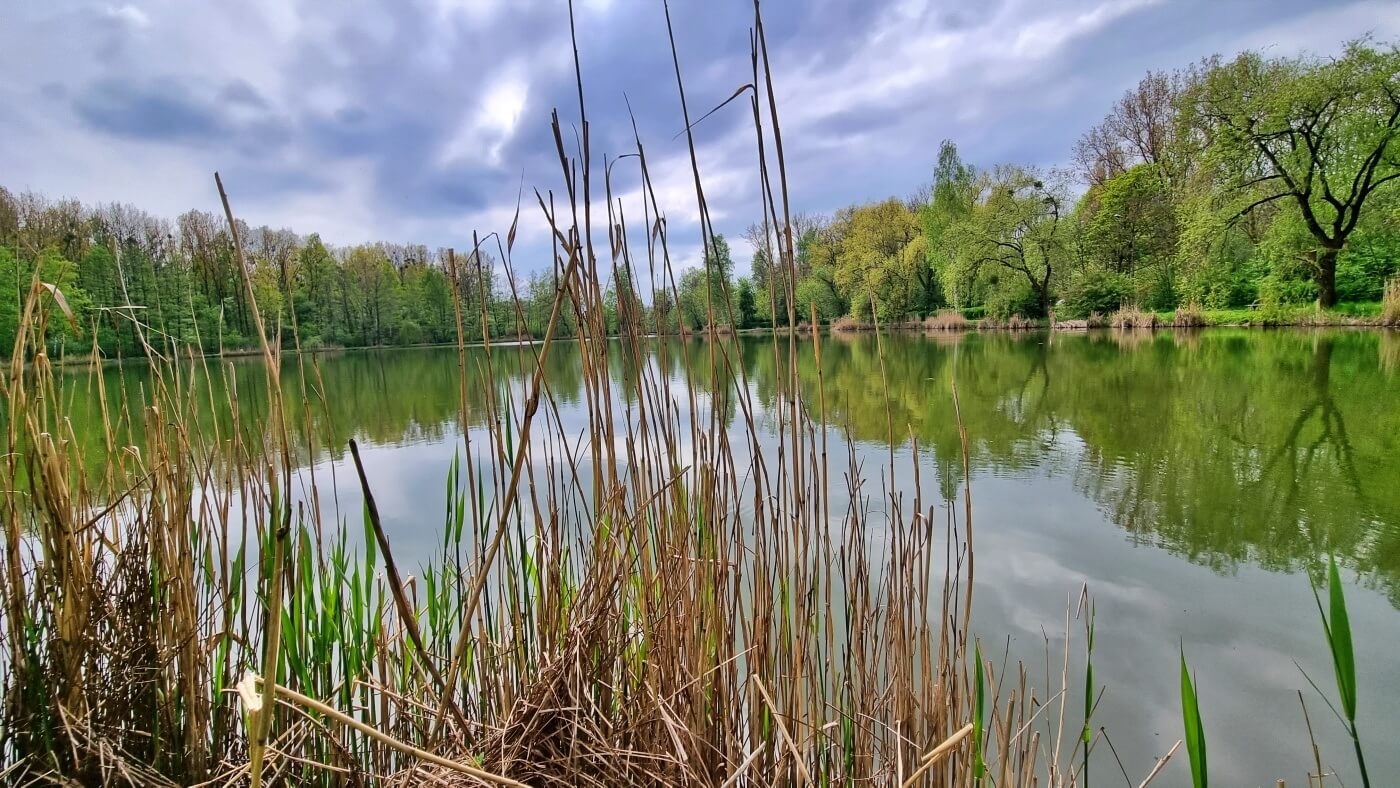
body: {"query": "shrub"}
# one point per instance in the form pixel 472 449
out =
pixel 1010 298
pixel 1277 290
pixel 1096 290
pixel 1364 268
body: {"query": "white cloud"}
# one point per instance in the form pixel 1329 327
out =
pixel 128 14
pixel 488 126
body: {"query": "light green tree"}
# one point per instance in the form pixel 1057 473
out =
pixel 1321 136
pixel 1014 232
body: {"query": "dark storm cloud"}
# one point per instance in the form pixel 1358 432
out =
pixel 238 91
pixel 165 110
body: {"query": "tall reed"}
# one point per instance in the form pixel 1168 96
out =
pixel 1390 303
pixel 662 599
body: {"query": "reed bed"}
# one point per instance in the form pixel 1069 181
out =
pixel 848 324
pixel 1188 316
pixel 1013 323
pixel 947 320
pixel 1131 317
pixel 1390 303
pixel 653 602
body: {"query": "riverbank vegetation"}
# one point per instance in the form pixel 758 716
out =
pixel 1246 189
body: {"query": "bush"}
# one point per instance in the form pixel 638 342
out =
pixel 1095 290
pixel 408 333
pixel 1276 290
pixel 1010 298
pixel 1224 286
pixel 1363 269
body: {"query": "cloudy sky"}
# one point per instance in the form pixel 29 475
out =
pixel 416 120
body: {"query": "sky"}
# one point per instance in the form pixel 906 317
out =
pixel 421 120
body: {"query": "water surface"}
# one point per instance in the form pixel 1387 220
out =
pixel 1194 482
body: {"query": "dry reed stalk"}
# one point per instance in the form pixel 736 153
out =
pixel 1390 303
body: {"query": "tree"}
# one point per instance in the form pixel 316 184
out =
pixel 954 190
pixel 745 305
pixel 871 259
pixel 1140 129
pixel 1129 229
pixel 1015 226
pixel 663 311
pixel 1320 135
pixel 315 283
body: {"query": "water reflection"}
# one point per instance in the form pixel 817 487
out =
pixel 1222 447
pixel 1102 458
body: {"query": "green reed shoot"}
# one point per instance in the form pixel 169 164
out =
pixel 1195 731
pixel 1336 625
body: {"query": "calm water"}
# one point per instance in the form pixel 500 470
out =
pixel 1192 481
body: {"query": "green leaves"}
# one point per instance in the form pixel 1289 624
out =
pixel 1336 624
pixel 1195 732
pixel 1338 628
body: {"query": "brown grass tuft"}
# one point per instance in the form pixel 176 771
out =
pixel 1188 316
pixel 1133 317
pixel 1390 303
pixel 947 320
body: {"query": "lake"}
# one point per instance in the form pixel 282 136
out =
pixel 1193 481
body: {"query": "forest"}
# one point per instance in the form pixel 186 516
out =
pixel 1253 183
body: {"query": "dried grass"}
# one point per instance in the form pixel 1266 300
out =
pixel 1131 317
pixel 1390 303
pixel 946 321
pixel 1188 316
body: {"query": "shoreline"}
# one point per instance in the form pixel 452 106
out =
pixel 1204 320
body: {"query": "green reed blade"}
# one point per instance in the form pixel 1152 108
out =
pixel 1195 732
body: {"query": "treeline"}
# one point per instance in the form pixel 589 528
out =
pixel 1254 182
pixel 128 276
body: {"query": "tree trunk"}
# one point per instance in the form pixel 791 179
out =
pixel 1327 278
